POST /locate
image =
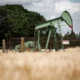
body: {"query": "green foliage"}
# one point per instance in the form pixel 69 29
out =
pixel 15 21
pixel 71 35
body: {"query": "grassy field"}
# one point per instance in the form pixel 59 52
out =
pixel 61 65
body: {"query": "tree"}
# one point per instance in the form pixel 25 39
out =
pixel 15 21
pixel 71 35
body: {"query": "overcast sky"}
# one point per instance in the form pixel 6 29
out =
pixel 51 9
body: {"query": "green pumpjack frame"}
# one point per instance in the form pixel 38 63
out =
pixel 52 30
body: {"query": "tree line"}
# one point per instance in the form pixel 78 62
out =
pixel 15 21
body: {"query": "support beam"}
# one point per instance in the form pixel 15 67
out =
pixel 34 40
pixel 47 43
pixel 61 39
pixel 39 40
pixel 47 23
pixel 55 41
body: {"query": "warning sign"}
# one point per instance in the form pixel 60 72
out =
pixel 65 42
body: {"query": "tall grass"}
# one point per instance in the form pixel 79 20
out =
pixel 41 65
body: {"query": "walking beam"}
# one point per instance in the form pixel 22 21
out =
pixel 64 17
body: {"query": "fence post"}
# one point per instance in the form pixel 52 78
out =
pixel 3 46
pixel 22 44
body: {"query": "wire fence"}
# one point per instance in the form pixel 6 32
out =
pixel 12 42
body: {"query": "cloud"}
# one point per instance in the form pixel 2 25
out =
pixel 3 2
pixel 76 21
pixel 51 9
pixel 45 7
pixel 67 5
pixel 76 1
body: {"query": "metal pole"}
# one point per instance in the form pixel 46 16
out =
pixel 62 43
pixel 39 40
pixel 3 46
pixel 61 40
pixel 55 42
pixel 47 43
pixel 34 40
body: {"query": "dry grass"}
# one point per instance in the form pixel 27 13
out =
pixel 40 66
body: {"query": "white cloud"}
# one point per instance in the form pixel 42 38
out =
pixel 63 5
pixel 50 9
pixel 3 2
pixel 45 7
pixel 67 5
pixel 76 21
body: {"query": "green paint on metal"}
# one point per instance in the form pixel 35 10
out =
pixel 48 40
pixel 60 35
pixel 64 17
pixel 67 18
pixel 55 41
pixel 48 23
pixel 28 44
pixel 42 26
pixel 39 40
pixel 17 47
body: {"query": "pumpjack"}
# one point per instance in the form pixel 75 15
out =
pixel 65 17
pixel 50 24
